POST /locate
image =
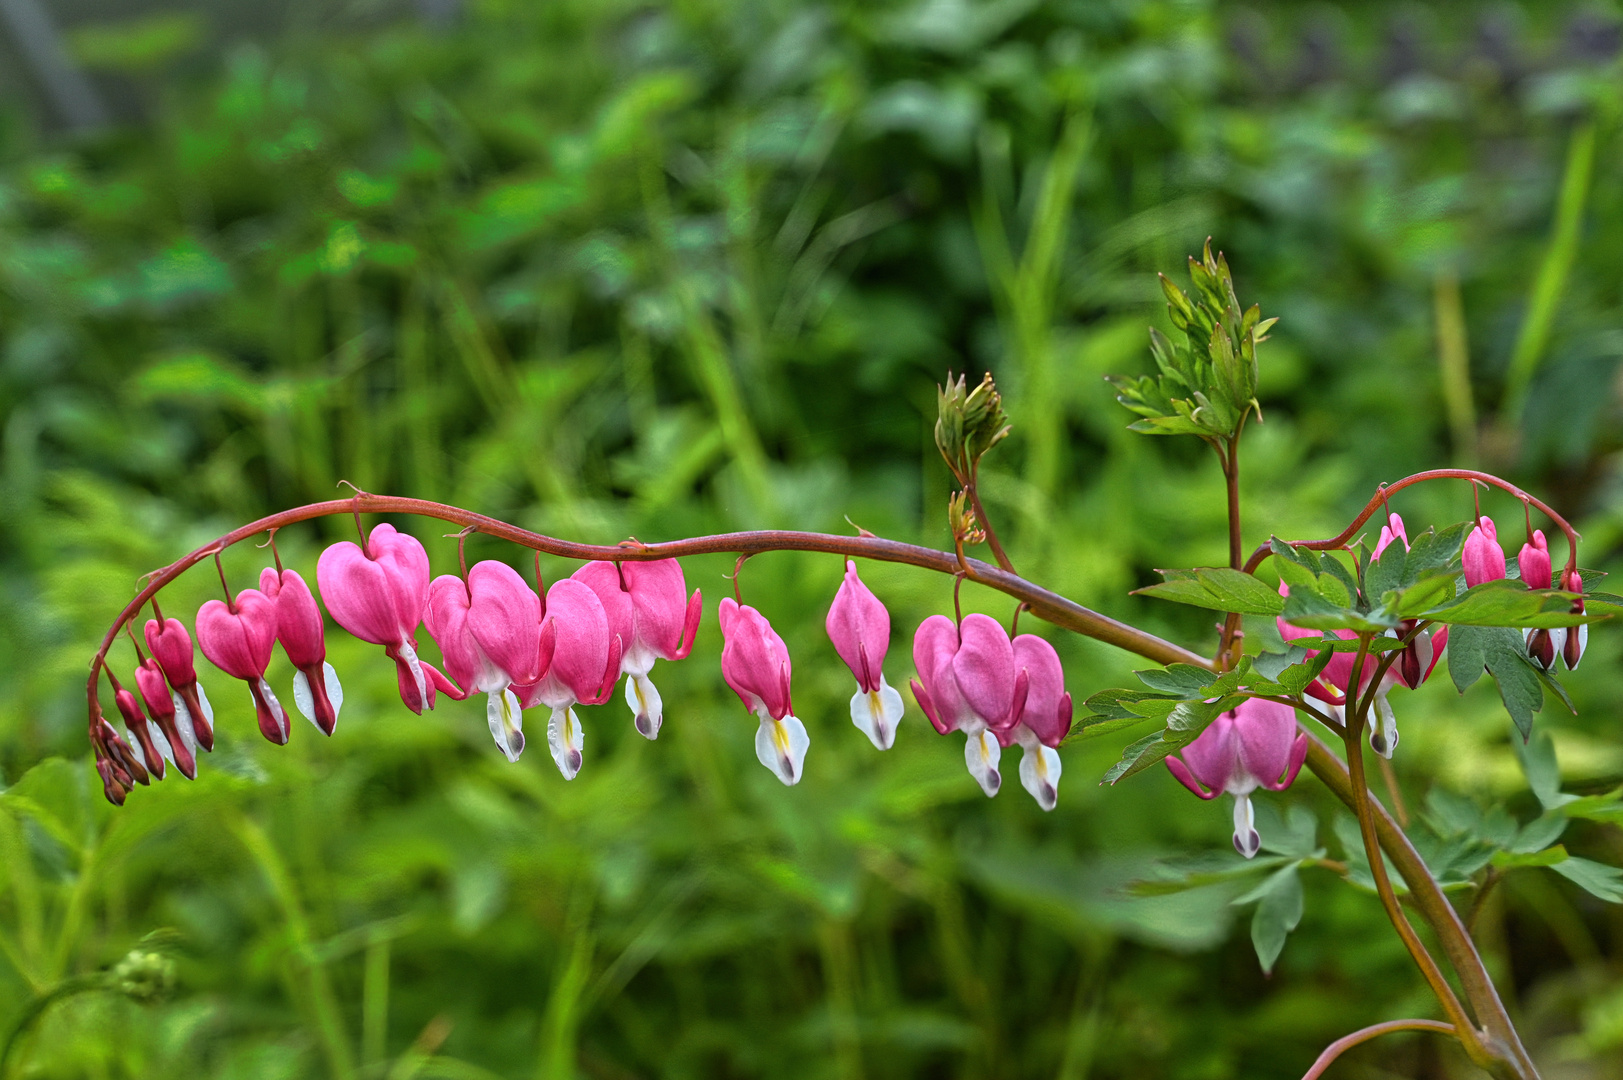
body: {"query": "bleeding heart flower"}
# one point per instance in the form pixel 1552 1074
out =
pixel 1043 722
pixel 1577 637
pixel 1413 667
pixel 238 639
pixel 755 663
pixel 316 690
pixel 580 657
pixel 174 740
pixel 859 627
pixel 172 648
pixel 139 727
pixel 648 607
pixel 1484 559
pixel 967 682
pixel 378 594
pixel 120 770
pixel 489 631
pixel 1251 746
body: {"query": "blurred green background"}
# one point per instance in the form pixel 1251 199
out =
pixel 606 268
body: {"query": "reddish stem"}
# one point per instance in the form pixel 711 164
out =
pixel 1347 1042
pixel 1046 605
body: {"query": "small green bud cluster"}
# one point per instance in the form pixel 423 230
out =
pixel 968 424
pixel 143 976
pixel 1207 383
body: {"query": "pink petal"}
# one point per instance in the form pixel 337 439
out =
pixel 1483 558
pixel 984 667
pixel 1267 731
pixel 1214 756
pixel 239 643
pixel 659 599
pixel 358 594
pixel 298 620
pixel 505 620
pixel 859 627
pixel 1534 562
pixel 583 638
pixel 1045 691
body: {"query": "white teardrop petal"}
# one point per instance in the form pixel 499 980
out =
pixel 981 754
pixel 647 709
pixel 506 722
pixel 781 746
pixel 1246 840
pixel 183 722
pixel 565 739
pixel 409 655
pixel 1039 773
pixel 303 700
pixel 877 713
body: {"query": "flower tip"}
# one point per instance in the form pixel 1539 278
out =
pixel 1248 844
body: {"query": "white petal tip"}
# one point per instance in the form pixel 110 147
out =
pixel 877 713
pixel 981 755
pixel 1039 774
pixel 781 746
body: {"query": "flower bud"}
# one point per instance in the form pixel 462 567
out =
pixel 1483 557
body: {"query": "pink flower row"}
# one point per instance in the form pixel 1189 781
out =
pixel 500 637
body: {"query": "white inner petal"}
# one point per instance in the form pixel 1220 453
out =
pixel 981 754
pixel 1039 772
pixel 876 714
pixel 183 722
pixel 647 709
pixel 208 710
pixel 1246 840
pixel 506 722
pixel 335 691
pixel 781 746
pixel 565 739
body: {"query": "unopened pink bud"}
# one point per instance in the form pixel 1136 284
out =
pixel 1484 559
pixel 1534 562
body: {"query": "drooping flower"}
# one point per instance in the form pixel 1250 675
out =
pixel 1577 637
pixel 238 639
pixel 755 663
pixel 378 594
pixel 175 739
pixel 140 729
pixel 172 648
pixel 489 631
pixel 1043 722
pixel 859 627
pixel 1534 563
pixel 120 770
pixel 647 605
pixel 1484 559
pixel 967 682
pixel 1253 745
pixel 580 656
pixel 316 690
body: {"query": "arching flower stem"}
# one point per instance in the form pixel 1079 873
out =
pixel 1347 1042
pixel 1046 605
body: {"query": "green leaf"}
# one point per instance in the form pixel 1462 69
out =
pixel 1538 834
pixel 1597 879
pixel 1198 871
pixel 1185 680
pixel 1507 860
pixel 1217 588
pixel 1607 808
pixel 1543 772
pixel 1504 653
pixel 1510 603
pixel 1130 758
pixel 1271 665
pixel 1279 911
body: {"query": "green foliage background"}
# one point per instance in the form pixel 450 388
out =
pixel 612 268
